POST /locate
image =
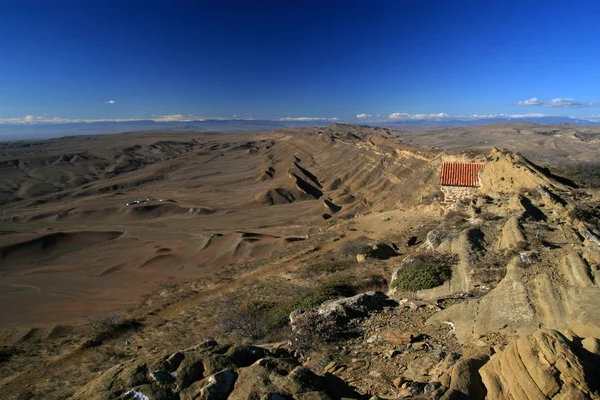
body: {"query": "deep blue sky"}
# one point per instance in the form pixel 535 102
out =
pixel 275 59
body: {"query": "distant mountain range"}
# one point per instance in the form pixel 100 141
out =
pixel 10 132
pixel 420 124
pixel 43 131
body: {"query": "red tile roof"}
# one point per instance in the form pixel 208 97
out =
pixel 460 174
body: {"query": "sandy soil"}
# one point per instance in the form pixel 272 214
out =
pixel 71 248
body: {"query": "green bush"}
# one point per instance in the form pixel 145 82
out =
pixel 424 271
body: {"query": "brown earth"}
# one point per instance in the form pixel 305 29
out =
pixel 214 201
pixel 235 221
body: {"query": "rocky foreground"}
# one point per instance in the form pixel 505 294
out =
pixel 517 318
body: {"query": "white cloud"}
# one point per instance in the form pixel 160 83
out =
pixel 457 117
pixel 557 103
pixel 489 116
pixel 176 118
pixel 30 119
pixel 306 119
pixel 363 116
pixel 111 102
pixel 409 116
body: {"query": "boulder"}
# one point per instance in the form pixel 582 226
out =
pixel 219 386
pixel 192 370
pixel 343 310
pixel 434 239
pixel 135 375
pixel 271 378
pixel 463 378
pixel 380 251
pixel 592 345
pixel 419 369
pixel 512 235
pixel 591 236
pixel 244 356
pixel 174 361
pixel 383 251
pixel 576 271
pixel 162 377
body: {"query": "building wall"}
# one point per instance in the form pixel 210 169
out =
pixel 450 194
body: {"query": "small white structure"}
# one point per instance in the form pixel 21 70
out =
pixel 140 201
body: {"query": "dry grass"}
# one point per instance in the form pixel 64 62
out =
pixel 110 327
pixel 326 267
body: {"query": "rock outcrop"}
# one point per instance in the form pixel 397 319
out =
pixel 463 380
pixel 520 304
pixel 543 365
pixel 343 310
pixel 506 172
pixel 212 372
pixel 512 235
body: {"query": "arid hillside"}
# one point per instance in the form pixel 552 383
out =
pixel 313 263
pixel 546 144
pixel 71 247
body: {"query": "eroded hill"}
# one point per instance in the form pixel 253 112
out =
pixel 207 202
pixel 255 228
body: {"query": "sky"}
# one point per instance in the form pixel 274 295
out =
pixel 350 61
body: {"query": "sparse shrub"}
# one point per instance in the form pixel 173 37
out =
pixel 357 246
pixel 488 216
pixel 6 353
pixel 585 213
pixel 373 282
pixel 255 319
pixel 311 333
pixel 247 321
pixel 111 352
pixel 538 239
pixel 475 154
pixel 527 258
pixel 332 289
pixel 424 271
pixel 110 327
pixel 455 218
pixel 327 267
pixel 104 323
pixel 497 258
pixel 329 290
pixel 584 173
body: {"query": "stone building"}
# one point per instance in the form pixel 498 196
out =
pixel 459 180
